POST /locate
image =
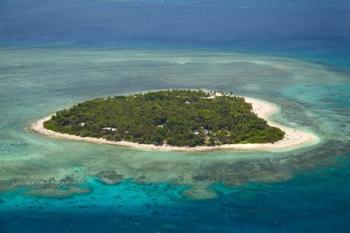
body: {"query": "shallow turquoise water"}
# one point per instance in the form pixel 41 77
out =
pixel 52 185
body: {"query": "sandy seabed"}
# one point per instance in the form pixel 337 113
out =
pixel 293 138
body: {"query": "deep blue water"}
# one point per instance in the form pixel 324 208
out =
pixel 317 29
pixel 314 200
pixel 217 22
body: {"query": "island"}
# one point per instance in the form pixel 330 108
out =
pixel 175 120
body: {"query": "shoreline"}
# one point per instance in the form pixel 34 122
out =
pixel 293 138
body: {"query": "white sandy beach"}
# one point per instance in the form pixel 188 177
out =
pixel 293 138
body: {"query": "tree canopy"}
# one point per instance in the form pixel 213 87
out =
pixel 173 117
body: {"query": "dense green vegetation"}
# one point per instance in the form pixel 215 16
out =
pixel 173 117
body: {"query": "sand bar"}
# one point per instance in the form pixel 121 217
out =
pixel 293 138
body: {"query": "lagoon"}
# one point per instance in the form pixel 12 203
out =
pixel 59 179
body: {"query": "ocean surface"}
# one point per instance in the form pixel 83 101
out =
pixel 54 54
